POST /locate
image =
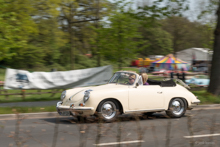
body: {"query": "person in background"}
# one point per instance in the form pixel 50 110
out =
pixel 143 70
pixel 144 78
pixel 177 74
pixel 171 74
pixel 183 75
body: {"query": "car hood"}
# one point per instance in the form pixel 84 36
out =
pixel 76 95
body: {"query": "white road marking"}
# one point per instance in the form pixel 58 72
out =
pixel 206 135
pixel 114 143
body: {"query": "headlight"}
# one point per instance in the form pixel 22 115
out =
pixel 63 95
pixel 86 95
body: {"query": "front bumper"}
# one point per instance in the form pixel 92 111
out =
pixel 67 110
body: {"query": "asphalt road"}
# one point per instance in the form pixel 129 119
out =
pixel 129 130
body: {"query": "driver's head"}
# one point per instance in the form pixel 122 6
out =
pixel 132 79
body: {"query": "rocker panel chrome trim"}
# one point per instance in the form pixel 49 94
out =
pixel 147 110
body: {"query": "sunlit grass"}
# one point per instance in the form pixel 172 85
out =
pixel 29 97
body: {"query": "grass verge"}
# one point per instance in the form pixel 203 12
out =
pixel 29 97
pixel 13 110
pixel 207 98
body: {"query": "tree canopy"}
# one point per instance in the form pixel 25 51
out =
pixel 58 33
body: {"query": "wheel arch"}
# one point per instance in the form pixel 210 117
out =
pixel 184 100
pixel 119 103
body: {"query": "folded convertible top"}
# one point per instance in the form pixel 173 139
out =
pixel 168 83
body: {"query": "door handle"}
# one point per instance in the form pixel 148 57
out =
pixel 159 92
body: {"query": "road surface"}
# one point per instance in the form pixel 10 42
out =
pixel 196 128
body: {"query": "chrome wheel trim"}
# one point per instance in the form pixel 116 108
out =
pixel 177 107
pixel 108 110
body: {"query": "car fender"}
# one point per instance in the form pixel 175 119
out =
pixel 97 97
pixel 176 92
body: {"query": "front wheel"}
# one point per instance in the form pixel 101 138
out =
pixel 177 108
pixel 108 110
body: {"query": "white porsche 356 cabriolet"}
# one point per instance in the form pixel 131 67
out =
pixel 125 93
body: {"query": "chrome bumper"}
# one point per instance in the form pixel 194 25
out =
pixel 195 102
pixel 67 110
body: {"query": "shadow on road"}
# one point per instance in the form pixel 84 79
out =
pixel 94 119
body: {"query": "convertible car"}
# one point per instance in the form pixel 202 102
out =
pixel 125 93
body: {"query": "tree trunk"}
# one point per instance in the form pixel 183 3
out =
pixel 71 48
pixel 214 86
pixel 119 47
pixel 72 59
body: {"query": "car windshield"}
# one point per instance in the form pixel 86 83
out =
pixel 124 78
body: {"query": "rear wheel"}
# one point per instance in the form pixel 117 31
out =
pixel 108 110
pixel 177 108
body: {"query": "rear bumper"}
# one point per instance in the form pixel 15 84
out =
pixel 63 110
pixel 195 102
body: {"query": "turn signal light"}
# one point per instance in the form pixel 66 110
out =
pixel 81 104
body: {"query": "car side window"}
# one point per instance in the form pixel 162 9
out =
pixel 140 82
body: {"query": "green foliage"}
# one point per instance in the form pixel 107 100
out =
pixel 158 41
pixel 186 34
pixel 162 8
pixel 15 26
pixel 41 35
pixel 119 39
pixel 84 62
pixel 73 21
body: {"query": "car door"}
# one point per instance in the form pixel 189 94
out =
pixel 145 97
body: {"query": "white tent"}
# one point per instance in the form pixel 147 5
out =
pixel 198 54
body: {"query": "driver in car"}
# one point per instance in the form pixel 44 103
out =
pixel 131 79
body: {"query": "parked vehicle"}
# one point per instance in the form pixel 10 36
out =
pixel 199 80
pixel 121 96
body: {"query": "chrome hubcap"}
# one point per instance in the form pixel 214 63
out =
pixel 177 107
pixel 108 110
